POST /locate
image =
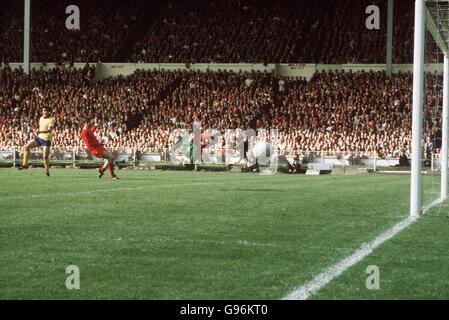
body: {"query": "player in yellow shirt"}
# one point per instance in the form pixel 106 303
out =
pixel 42 139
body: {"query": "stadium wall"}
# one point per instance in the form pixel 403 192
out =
pixel 105 70
pixel 46 65
pixel 9 155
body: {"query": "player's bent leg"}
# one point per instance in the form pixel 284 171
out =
pixel 110 157
pixel 46 156
pixel 26 153
pixel 103 168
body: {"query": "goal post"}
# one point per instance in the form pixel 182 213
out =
pixel 445 131
pixel 433 15
pixel 417 110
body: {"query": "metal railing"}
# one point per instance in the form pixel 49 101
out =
pixel 212 155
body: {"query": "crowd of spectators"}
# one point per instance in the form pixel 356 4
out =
pixel 365 113
pixel 339 111
pixel 72 95
pixel 222 31
pixel 207 31
pixel 104 26
pixel 224 100
pixel 287 31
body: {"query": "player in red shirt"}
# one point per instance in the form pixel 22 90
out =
pixel 97 149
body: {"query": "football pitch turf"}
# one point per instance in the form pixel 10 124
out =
pixel 197 235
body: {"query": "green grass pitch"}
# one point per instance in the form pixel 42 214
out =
pixel 194 235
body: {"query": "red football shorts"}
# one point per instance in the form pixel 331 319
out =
pixel 97 151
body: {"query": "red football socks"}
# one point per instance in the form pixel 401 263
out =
pixel 103 168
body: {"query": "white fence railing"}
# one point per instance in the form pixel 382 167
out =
pixel 217 156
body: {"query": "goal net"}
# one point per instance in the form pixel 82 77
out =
pixel 429 117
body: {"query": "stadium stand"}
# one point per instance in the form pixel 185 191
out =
pixel 109 24
pixel 365 112
pixel 332 112
pixel 193 31
pixel 291 32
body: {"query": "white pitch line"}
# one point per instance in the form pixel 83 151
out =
pixel 322 279
pixel 80 193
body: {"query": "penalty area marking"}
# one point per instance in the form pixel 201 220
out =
pixel 321 280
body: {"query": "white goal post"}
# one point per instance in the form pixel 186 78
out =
pixel 439 29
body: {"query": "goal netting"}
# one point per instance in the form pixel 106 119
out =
pixel 431 185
